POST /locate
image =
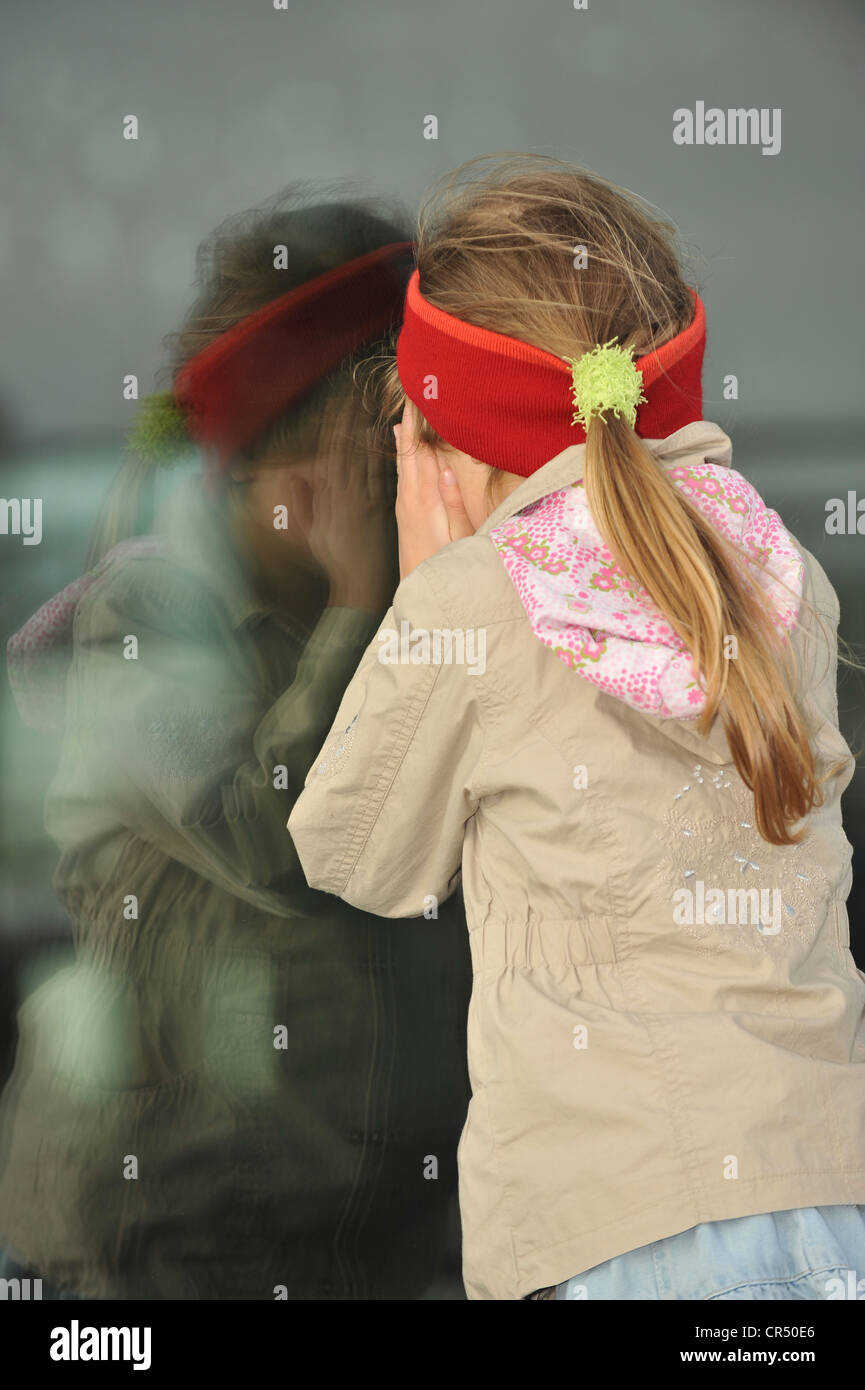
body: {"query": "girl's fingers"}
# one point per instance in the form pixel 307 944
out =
pixel 417 469
pixel 379 475
pixel 458 519
pixel 322 491
pixel 321 470
pixel 300 502
pixel 399 462
pixel 410 420
pixel 336 448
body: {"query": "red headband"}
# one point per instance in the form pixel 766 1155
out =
pixel 238 384
pixel 509 404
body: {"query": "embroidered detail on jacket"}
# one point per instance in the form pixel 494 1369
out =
pixel 714 852
pixel 336 751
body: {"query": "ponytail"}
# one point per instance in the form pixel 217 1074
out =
pixel 156 441
pixel 127 508
pixel 695 578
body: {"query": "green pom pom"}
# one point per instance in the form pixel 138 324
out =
pixel 605 379
pixel 159 434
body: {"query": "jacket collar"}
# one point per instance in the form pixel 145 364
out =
pixel 701 439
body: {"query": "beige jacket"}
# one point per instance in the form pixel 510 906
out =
pixel 632 1076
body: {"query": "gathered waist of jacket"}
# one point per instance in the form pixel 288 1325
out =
pixel 539 942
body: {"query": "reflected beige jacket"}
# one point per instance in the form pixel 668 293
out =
pixel 633 1074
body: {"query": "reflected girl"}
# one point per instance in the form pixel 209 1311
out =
pixel 242 1088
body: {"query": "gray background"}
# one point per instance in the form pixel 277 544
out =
pixel 236 99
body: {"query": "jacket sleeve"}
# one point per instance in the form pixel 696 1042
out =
pixel 183 741
pixel 382 818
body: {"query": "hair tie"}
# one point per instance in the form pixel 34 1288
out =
pixel 159 435
pixel 605 379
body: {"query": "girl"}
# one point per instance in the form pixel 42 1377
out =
pixel 640 788
pixel 230 1092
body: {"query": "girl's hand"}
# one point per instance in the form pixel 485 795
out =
pixel 429 507
pixel 349 528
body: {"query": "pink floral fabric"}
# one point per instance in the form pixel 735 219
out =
pixel 587 610
pixel 38 655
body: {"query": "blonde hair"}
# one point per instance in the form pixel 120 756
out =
pixel 496 248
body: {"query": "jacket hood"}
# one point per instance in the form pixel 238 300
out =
pixel 588 611
pixel 38 655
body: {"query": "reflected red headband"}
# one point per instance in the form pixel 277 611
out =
pixel 509 404
pixel 238 384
